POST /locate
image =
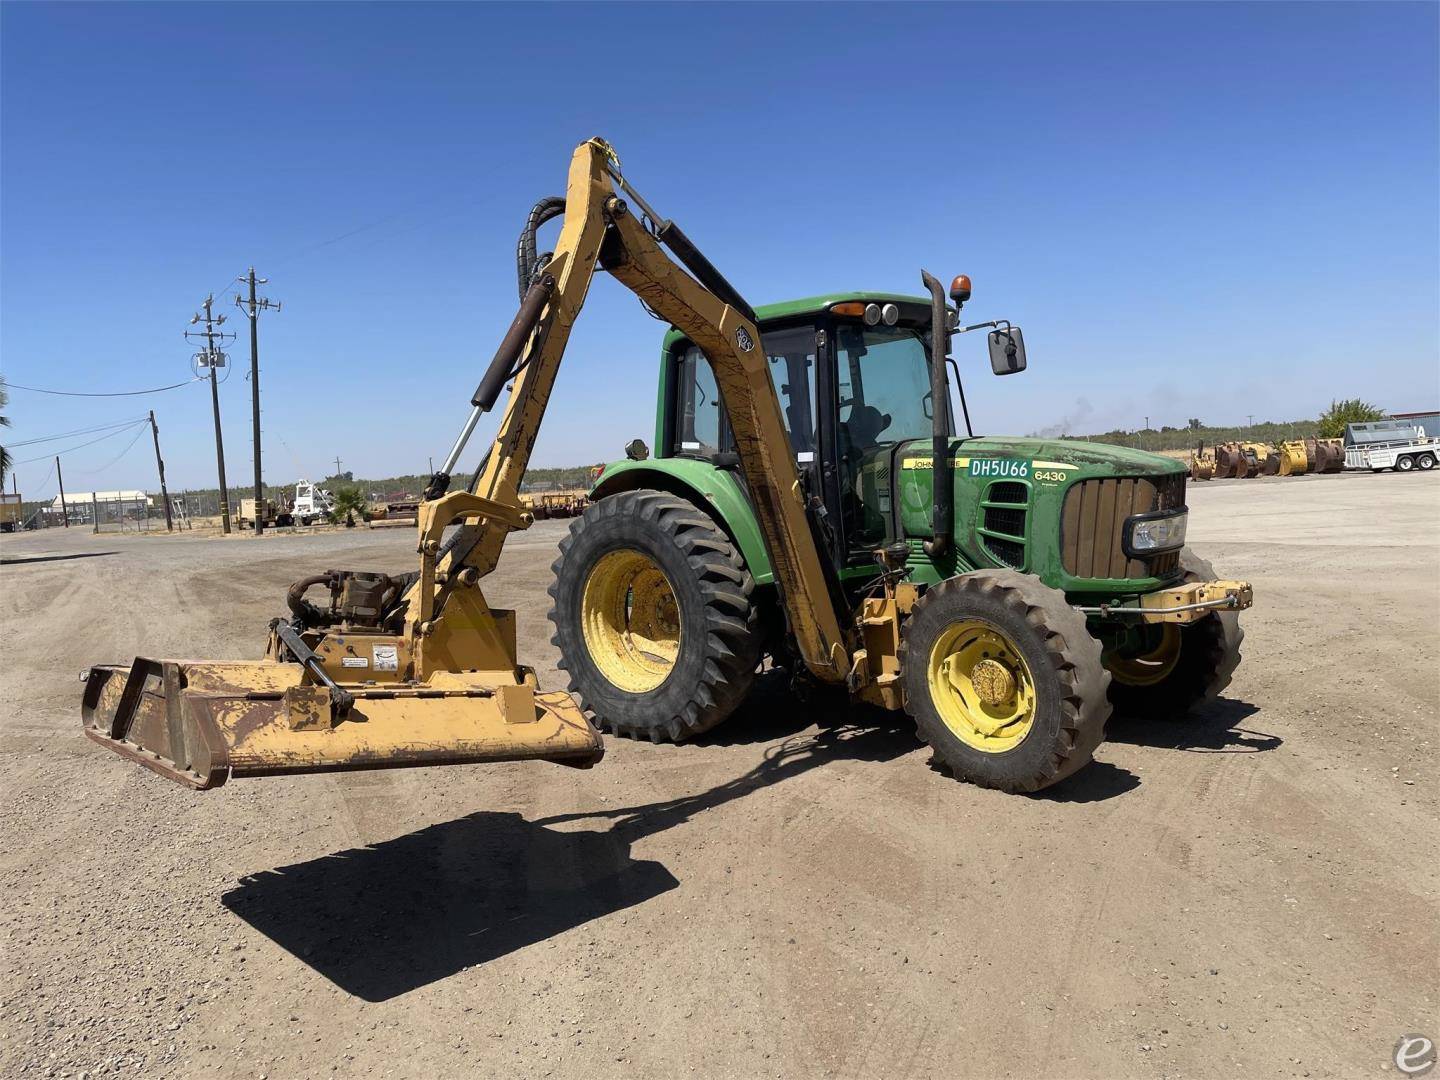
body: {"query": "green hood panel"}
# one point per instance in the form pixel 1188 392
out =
pixel 1121 460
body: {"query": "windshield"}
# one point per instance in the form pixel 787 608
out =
pixel 884 382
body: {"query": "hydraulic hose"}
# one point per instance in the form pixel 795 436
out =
pixel 306 612
pixel 526 259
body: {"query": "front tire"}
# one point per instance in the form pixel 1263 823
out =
pixel 653 617
pixel 1189 664
pixel 1405 464
pixel 1004 680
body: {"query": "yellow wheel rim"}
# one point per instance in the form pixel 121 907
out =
pixel 981 686
pixel 631 621
pixel 1152 667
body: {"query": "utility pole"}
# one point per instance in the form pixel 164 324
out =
pixel 160 464
pixel 337 468
pixel 1147 423
pixel 255 306
pixel 64 510
pixel 214 358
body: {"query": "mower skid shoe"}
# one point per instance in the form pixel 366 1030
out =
pixel 201 723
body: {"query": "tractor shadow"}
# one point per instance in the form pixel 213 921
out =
pixel 18 560
pixel 772 711
pixel 1212 728
pixel 383 920
pixel 1096 782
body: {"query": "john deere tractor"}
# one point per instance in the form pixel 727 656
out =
pixel 811 505
pixel 1037 586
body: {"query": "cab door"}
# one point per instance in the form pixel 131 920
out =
pixel 795 356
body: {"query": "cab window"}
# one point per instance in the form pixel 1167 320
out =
pixel 883 379
pixel 791 356
pixel 700 429
pixel 883 385
pixel 697 427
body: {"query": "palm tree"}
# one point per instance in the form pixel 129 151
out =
pixel 4 422
pixel 349 501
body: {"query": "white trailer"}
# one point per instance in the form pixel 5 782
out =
pixel 1390 445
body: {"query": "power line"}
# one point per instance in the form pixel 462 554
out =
pixel 80 446
pixel 71 434
pixel 128 447
pixel 117 393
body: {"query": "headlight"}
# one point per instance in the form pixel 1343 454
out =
pixel 1149 534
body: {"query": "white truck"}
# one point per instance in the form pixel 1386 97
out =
pixel 1390 444
pixel 311 503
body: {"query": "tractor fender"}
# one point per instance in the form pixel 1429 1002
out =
pixel 714 490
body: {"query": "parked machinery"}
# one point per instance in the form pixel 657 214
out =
pixel 1230 461
pixel 1294 460
pixel 1202 463
pixel 1262 458
pixel 1007 592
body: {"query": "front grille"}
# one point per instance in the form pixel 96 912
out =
pixel 1093 520
pixel 1007 491
pixel 1003 520
pixel 1009 552
pixel 1003 530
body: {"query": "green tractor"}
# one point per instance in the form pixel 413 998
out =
pixel 1011 594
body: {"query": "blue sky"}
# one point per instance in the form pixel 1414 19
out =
pixel 1213 210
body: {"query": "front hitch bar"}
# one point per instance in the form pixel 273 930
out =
pixel 1189 602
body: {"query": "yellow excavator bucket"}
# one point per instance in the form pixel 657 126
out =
pixel 1294 461
pixel 199 723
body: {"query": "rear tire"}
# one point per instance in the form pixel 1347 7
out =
pixel 653 617
pixel 1405 464
pixel 1425 462
pixel 1037 647
pixel 1209 653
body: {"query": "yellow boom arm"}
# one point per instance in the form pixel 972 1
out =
pixel 358 685
pixel 600 228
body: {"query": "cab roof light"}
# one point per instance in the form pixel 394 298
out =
pixel 855 308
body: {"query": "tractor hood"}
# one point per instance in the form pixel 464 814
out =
pixel 1120 460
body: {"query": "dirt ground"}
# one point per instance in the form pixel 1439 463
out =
pixel 1249 893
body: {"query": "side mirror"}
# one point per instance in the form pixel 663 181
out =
pixel 636 450
pixel 1007 351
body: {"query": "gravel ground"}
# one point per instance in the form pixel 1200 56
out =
pixel 1251 892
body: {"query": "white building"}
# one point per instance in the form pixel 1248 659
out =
pixel 76 499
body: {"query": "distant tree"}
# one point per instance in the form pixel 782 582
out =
pixel 1349 411
pixel 4 422
pixel 1194 423
pixel 349 501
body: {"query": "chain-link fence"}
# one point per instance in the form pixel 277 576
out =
pixel 129 511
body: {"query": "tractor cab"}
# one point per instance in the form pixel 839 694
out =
pixel 853 376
